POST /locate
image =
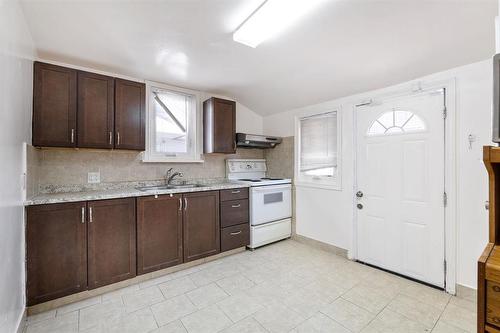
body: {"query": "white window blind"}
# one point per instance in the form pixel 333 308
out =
pixel 318 145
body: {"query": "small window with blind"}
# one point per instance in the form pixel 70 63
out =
pixel 172 125
pixel 318 149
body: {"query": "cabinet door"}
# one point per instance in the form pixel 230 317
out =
pixel 129 115
pixel 95 110
pixel 219 126
pixel 54 106
pixel 56 242
pixel 201 225
pixel 159 232
pixel 111 241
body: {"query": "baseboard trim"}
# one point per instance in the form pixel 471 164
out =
pixel 22 322
pixel 50 305
pixel 466 292
pixel 320 245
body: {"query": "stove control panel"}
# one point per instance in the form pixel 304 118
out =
pixel 238 166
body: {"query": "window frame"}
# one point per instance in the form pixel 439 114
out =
pixel 402 128
pixel 194 127
pixel 329 183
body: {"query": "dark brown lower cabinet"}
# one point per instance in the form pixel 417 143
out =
pixel 234 237
pixel 201 225
pixel 56 238
pixel 159 232
pixel 111 241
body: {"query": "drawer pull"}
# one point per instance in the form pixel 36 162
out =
pixel 235 233
pixel 496 289
pixel 236 192
pixel 236 206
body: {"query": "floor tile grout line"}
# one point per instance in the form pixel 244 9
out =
pixel 415 299
pixel 440 315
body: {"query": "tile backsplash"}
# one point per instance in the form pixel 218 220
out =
pixel 49 168
pixel 280 159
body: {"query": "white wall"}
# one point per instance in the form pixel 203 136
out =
pixel 248 121
pixel 16 54
pixel 328 215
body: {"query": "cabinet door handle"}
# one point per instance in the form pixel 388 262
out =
pixel 235 192
pixel 180 204
pixel 117 138
pixel 91 217
pixel 236 206
pixel 235 233
pixel 110 138
pixel 72 135
pixel 83 214
pixel 185 203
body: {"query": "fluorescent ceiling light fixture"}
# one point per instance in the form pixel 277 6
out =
pixel 271 18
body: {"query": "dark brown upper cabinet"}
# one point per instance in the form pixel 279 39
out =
pixel 95 110
pixel 201 225
pixel 219 126
pixel 159 232
pixel 54 106
pixel 86 110
pixel 130 115
pixel 56 238
pixel 111 241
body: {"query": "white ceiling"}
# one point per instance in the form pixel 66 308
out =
pixel 344 47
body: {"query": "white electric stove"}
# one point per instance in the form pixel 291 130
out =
pixel 270 200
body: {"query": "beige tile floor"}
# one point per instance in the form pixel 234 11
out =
pixel 284 287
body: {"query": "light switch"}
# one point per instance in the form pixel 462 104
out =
pixel 94 177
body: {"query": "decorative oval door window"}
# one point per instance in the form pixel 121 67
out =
pixel 396 122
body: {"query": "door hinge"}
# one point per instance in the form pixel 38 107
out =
pixel 445 199
pixel 445 112
pixel 445 266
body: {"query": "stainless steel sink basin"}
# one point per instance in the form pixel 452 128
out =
pixel 167 187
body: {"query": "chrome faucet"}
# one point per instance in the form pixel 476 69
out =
pixel 170 176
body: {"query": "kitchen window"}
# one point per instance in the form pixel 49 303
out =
pixel 172 124
pixel 318 139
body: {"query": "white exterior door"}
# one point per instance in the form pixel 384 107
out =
pixel 400 184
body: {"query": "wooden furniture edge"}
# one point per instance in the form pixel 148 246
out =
pixel 481 287
pixel 491 329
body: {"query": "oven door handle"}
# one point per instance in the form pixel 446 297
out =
pixel 271 188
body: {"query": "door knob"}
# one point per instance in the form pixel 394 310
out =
pixel 359 194
pixel 360 206
pixel 487 205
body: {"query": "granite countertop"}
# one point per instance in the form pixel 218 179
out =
pixel 52 198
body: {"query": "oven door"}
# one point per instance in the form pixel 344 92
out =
pixel 270 203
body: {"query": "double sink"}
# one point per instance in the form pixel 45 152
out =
pixel 168 187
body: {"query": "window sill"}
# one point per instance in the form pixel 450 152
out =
pixel 171 160
pixel 323 186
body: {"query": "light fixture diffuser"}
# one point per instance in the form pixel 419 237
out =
pixel 271 18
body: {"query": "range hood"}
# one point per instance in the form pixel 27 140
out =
pixel 256 141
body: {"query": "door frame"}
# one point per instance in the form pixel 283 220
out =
pixel 450 161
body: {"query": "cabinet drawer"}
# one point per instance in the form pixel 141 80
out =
pixel 493 303
pixel 234 212
pixel 235 237
pixel 234 194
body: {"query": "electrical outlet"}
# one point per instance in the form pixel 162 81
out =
pixel 94 177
